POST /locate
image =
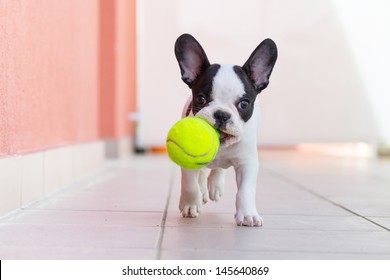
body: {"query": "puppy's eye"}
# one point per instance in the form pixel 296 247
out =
pixel 243 105
pixel 200 100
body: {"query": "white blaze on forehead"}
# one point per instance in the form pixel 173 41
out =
pixel 227 86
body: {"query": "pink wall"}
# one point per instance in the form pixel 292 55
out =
pixel 117 67
pixel 51 58
pixel 125 65
pixel 107 71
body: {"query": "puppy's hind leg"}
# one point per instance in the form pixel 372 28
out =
pixel 203 184
pixel 216 183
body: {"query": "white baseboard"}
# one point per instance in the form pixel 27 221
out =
pixel 119 148
pixel 27 178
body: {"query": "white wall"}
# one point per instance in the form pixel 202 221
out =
pixel 367 32
pixel 329 83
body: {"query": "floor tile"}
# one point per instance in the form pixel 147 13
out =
pixel 91 218
pixel 210 254
pixel 267 240
pixel 366 206
pixel 274 196
pixel 32 252
pixel 278 222
pixel 124 192
pixel 384 221
pixel 314 207
pixel 76 237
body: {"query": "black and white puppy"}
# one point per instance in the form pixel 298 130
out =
pixel 224 96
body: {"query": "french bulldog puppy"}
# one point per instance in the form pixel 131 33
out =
pixel 224 95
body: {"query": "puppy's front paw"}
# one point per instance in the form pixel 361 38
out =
pixel 249 219
pixel 190 207
pixel 205 197
pixel 215 185
pixel 190 211
pixel 215 192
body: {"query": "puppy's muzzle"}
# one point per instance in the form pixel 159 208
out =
pixel 221 119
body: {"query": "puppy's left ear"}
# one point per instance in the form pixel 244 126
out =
pixel 260 64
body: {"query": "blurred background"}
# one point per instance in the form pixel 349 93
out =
pixel 329 83
pixel 85 81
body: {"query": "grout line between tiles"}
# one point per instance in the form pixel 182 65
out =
pixel 300 186
pixel 164 218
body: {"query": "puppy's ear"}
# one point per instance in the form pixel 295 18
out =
pixel 191 57
pixel 260 64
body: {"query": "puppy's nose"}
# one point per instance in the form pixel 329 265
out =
pixel 221 117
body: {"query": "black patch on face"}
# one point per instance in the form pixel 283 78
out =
pixel 189 109
pixel 202 88
pixel 248 98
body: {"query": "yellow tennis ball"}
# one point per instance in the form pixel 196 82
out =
pixel 192 143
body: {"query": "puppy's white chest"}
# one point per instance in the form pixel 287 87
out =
pixel 221 161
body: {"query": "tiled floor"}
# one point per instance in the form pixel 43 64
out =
pixel 314 207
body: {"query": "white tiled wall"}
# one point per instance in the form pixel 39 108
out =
pixel 57 165
pixel 119 148
pixel 32 187
pixel 26 178
pixel 10 183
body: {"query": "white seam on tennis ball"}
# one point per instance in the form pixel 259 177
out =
pixel 188 154
pixel 193 156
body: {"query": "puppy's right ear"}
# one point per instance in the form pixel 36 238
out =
pixel 191 57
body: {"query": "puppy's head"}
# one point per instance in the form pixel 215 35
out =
pixel 224 95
